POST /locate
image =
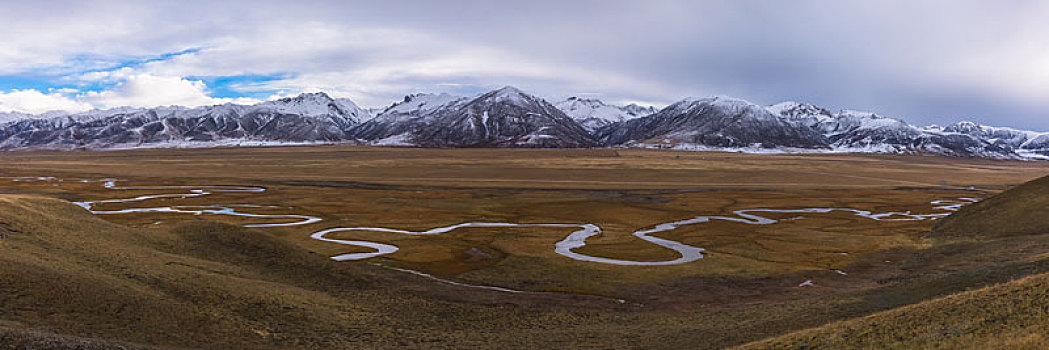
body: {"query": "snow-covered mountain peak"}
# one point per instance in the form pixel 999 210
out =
pixel 965 127
pixel 1023 138
pixel 507 117
pixel 508 90
pixel 639 111
pixel 805 114
pixel 418 104
pixel 725 104
pixel 592 102
pixel 308 96
pixel 859 114
pixel 313 102
pixel 793 109
pixel 728 104
pixel 509 94
pixel 593 113
pixel 317 105
pixel 716 122
pixel 720 100
pixel 785 106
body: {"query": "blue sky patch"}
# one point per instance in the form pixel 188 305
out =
pixel 248 85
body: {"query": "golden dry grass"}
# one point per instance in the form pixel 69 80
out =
pixel 286 294
pixel 535 168
pixel 621 190
pixel 1013 315
pixel 1020 211
pixel 215 286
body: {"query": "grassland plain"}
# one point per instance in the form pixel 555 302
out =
pixel 286 293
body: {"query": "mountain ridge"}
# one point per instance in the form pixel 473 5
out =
pixel 506 117
pixel 509 117
pixel 594 114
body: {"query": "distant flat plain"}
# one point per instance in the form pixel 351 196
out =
pixel 621 190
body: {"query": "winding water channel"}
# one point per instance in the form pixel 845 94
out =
pixel 566 247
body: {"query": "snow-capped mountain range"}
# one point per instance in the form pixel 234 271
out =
pixel 854 131
pixel 313 117
pixel 712 122
pixel 509 117
pixel 506 117
pixel 593 114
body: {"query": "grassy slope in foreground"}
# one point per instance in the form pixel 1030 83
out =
pixel 72 280
pixel 1023 210
pixel 1008 315
pixel 199 285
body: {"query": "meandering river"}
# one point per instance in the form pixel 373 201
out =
pixel 566 247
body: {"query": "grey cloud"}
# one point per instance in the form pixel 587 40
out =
pixel 927 61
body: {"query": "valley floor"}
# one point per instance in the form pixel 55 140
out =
pixel 271 285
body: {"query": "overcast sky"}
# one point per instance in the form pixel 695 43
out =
pixel 922 61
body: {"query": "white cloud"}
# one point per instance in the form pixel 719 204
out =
pixel 33 101
pixel 899 57
pixel 135 90
pixel 144 90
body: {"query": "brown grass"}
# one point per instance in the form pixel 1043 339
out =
pixel 535 168
pixel 1013 315
pixel 37 340
pixel 1021 211
pixel 203 282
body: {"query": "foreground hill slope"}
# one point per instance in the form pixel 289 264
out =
pixel 1014 314
pixel 1021 211
pixel 200 285
pixel 71 280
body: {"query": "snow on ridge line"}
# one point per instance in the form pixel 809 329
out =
pixel 193 144
pixel 594 113
pixel 757 149
pixel 846 131
pixel 306 104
